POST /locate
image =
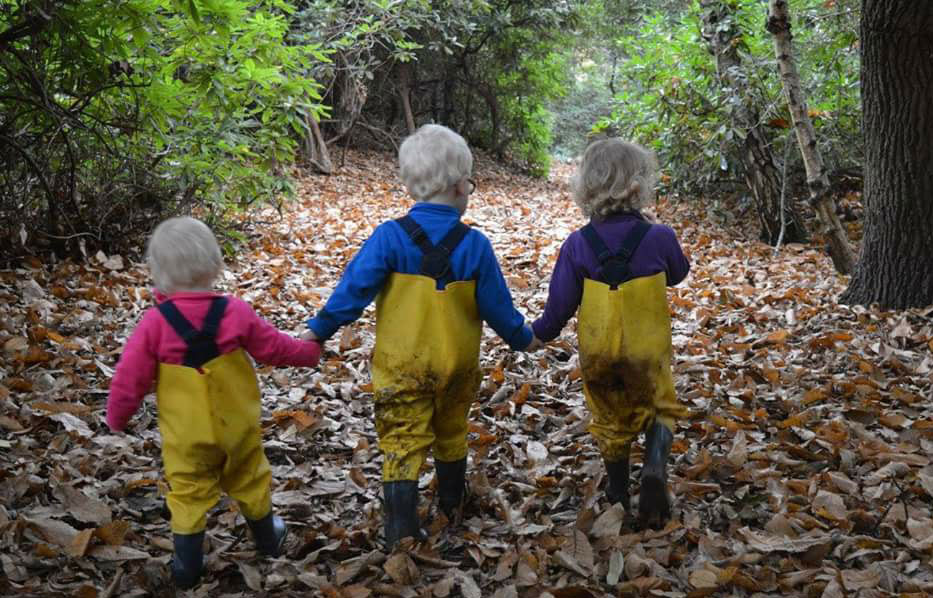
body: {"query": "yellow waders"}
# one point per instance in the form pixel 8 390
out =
pixel 425 371
pixel 625 358
pixel 211 439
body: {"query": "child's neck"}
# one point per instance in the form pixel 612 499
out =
pixel 450 199
pixel 443 199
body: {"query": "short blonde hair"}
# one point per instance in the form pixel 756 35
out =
pixel 183 255
pixel 432 160
pixel 615 176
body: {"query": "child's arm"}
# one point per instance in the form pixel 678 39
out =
pixel 269 345
pixel 134 374
pixel 564 294
pixel 361 282
pixel 495 303
pixel 678 266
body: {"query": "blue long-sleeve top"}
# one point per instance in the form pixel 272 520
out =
pixel 389 249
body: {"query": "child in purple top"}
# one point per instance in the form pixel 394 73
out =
pixel 616 270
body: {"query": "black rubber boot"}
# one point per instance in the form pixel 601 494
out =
pixel 451 482
pixel 269 534
pixel 654 503
pixel 617 485
pixel 188 562
pixel 401 511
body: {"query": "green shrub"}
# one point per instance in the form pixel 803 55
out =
pixel 117 113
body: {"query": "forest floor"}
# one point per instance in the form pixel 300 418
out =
pixel 803 470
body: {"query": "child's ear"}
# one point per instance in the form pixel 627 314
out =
pixel 463 187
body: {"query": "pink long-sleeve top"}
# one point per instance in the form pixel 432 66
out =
pixel 154 342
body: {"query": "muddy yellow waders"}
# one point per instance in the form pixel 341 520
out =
pixel 209 412
pixel 426 361
pixel 624 330
pixel 425 378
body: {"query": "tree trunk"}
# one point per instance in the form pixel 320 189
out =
pixel 316 147
pixel 492 103
pixel 762 174
pixel 818 183
pixel 895 267
pixel 404 90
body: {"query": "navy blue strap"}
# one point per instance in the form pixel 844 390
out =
pixel 202 345
pixel 214 315
pixel 596 244
pixel 178 322
pixel 633 240
pixel 435 261
pixel 615 267
pixel 453 238
pixel 416 233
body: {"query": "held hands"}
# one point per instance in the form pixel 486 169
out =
pixel 535 343
pixel 308 335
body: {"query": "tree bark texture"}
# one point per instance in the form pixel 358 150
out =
pixel 404 90
pixel 316 147
pixel 762 174
pixel 817 181
pixel 895 267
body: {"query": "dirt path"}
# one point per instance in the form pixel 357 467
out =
pixel 804 469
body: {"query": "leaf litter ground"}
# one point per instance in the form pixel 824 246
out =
pixel 804 469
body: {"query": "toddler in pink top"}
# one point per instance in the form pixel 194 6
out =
pixel 195 344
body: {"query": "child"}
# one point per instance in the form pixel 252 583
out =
pixel 194 344
pixel 615 270
pixel 434 280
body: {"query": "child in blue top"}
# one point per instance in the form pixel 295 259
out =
pixel 435 280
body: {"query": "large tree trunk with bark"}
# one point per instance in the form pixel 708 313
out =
pixel 818 183
pixel 762 174
pixel 895 266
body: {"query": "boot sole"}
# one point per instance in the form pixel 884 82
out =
pixel 654 506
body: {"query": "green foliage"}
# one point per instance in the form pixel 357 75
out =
pixel 520 54
pixel 116 112
pixel 667 95
pixel 539 76
pixel 227 96
pixel 485 68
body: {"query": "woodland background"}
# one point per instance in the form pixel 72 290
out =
pixel 804 468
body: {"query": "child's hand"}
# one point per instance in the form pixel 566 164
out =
pixel 535 343
pixel 308 335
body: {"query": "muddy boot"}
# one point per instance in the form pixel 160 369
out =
pixel 617 485
pixel 654 503
pixel 188 562
pixel 269 534
pixel 401 511
pixel 451 481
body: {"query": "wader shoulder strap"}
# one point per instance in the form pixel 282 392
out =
pixel 178 322
pixel 435 262
pixel 614 267
pixel 202 346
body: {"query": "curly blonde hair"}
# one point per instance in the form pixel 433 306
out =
pixel 614 176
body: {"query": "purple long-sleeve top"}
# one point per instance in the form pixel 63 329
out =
pixel 659 251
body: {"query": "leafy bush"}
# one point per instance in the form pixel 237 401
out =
pixel 115 113
pixel 668 97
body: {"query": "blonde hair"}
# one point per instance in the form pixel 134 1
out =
pixel 183 255
pixel 615 176
pixel 432 160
